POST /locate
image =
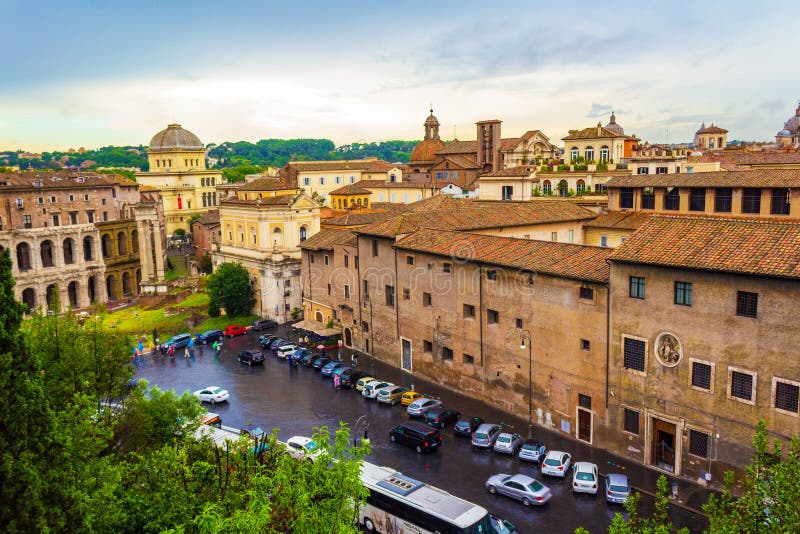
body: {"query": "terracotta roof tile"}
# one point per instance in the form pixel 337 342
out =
pixel 326 238
pixel 279 200
pixel 754 247
pixel 518 171
pixel 360 219
pixel 749 158
pixel 459 147
pixel 579 262
pixel 750 178
pixel 211 217
pixel 335 165
pixel 712 130
pixel 267 183
pixel 626 220
pixel 62 179
pixel 594 132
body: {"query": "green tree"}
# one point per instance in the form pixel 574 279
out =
pixel 205 264
pixel 229 287
pixel 659 523
pixel 768 493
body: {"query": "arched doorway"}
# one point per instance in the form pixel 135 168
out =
pixel 29 299
pixel 318 316
pixel 69 251
pixel 111 287
pixel 122 244
pixel 126 283
pixel 24 257
pixel 88 247
pixel 51 294
pixel 91 289
pixel 348 337
pixel 46 250
pixel 72 294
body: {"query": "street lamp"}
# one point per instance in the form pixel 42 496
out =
pixel 526 336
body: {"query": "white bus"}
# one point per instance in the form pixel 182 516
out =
pixel 398 504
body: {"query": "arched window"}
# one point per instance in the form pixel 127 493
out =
pixel 229 232
pixel 72 294
pixel 51 293
pixel 69 252
pixel 126 283
pixel 111 287
pixel 588 154
pixel 303 233
pixel 580 186
pixel 91 289
pixel 88 246
pixel 253 234
pixel 562 188
pixel 573 153
pixel 547 187
pixel 122 244
pixel 105 245
pixel 29 299
pixel 240 231
pixel 604 154
pixel 204 200
pixel 23 257
pixel 46 250
pixel 366 201
pixel 135 241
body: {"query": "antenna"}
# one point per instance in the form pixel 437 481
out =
pixel 455 132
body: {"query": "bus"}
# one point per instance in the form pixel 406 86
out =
pixel 398 504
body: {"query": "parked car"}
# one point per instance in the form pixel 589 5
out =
pixel 466 427
pixel 521 487
pixel 178 341
pixel 501 526
pixel 485 436
pixel 618 488
pixel 330 367
pixel 264 324
pixel 212 394
pixel 303 448
pixel 300 353
pixel 363 381
pixel 371 389
pixel 390 394
pixel 319 362
pixel 420 407
pixel 253 431
pixel 351 377
pixel 308 359
pixel 440 417
pixel 532 450
pixel 285 350
pixel 339 370
pixel 235 330
pixel 410 396
pixel 418 436
pixel 585 478
pixel 209 336
pixel 556 464
pixel 250 357
pixel 508 443
pixel 277 342
pixel 265 339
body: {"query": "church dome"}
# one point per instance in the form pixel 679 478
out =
pixel 613 126
pixel 784 133
pixel 426 150
pixel 174 137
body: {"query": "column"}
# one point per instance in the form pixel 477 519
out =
pixel 83 292
pixel 159 251
pixel 145 250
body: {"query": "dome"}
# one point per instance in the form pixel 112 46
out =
pixel 175 137
pixel 613 126
pixel 784 133
pixel 426 150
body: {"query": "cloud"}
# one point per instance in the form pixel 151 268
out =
pixel 599 110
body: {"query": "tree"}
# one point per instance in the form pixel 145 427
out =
pixel 659 523
pixel 769 492
pixel 205 263
pixel 229 287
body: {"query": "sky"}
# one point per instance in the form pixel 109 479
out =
pixel 102 72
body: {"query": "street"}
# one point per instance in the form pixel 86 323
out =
pixel 296 401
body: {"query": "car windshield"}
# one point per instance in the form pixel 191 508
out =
pixel 619 489
pixel 480 435
pixel 311 446
pixel 530 447
pixel 535 486
pixel 588 477
pixel 552 461
pixel 504 439
pixel 215 390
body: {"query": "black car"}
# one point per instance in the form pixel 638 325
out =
pixel 441 417
pixel 467 426
pixel 277 342
pixel 319 362
pixel 250 357
pixel 209 336
pixel 265 340
pixel 351 376
pixel 264 324
pixel 307 359
pixel 416 435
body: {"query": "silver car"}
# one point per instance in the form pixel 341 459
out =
pixel 420 407
pixel 507 443
pixel 618 488
pixel 370 391
pixel 485 436
pixel 521 487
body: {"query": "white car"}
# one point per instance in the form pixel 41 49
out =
pixel 556 464
pixel 370 391
pixel 303 448
pixel 212 394
pixel 283 351
pixel 584 478
pixel 420 407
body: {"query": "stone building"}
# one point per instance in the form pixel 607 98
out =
pixel 321 177
pixel 702 344
pixel 362 194
pixel 206 233
pixel 789 137
pixel 599 144
pixel 710 138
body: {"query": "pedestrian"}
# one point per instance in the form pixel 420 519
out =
pixel 289 359
pixel 354 360
pixel 336 382
pixel 141 346
pixel 186 353
pixel 171 351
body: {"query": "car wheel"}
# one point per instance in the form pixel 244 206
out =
pixel 441 425
pixel 369 525
pixel 212 401
pixel 393 403
pixel 392 438
pixel 492 490
pixel 526 501
pixel 419 449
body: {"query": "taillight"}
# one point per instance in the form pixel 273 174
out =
pixel 574 484
pixel 560 467
pixel 539 498
pixel 594 486
pixel 425 444
pixel 608 493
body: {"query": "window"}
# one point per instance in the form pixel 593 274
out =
pixel 406 293
pixel 570 236
pixel 586 293
pixel 491 274
pixel 306 181
pixel 346 291
pixel 447 267
pixel 492 317
pixel 588 154
pixel 780 201
pixel 553 236
pixel 356 262
pixel 56 220
pixel 751 200
pixel 410 260
pixel 631 421
pixel 105 216
pixel 547 187
pixel 787 395
pixel 697 199
pixel 39 200
pixel 468 359
pixel 604 154
pixel 366 288
pixel 374 248
pixel 427 346
pixel 447 353
pixel 584 401
pixel 365 326
pixel 52 199
pixel 73 217
pixel 389 295
pixel 338 179
pixel 626 198
pixel 347 261
pixel 325 259
pixel 603 241
pixel 741 385
pixel 683 293
pixel 585 345
pixel 723 199
pixel 643 170
pixel 661 170
pixel 310 256
pixel 322 180
pixel 634 356
pixel 573 154
pixel 26 221
pixel 698 443
pixel 329 289
pixel 746 304
pixel 431 266
pixel 508 192
pixel 519 322
pixel 648 198
pixel 636 287
pixel 672 199
pixel 426 299
pixel 469 311
pixel 702 374
pixel 102 201
pixel 72 198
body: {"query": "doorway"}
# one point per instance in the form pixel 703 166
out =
pixel 662 445
pixel 348 337
pixel 584 425
pixel 406 355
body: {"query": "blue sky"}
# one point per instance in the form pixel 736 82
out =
pixel 93 73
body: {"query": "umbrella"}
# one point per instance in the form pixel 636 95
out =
pixel 320 347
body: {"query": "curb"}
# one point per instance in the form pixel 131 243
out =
pixel 672 502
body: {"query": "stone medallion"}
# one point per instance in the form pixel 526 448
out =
pixel 669 351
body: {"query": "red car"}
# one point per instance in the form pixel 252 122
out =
pixel 235 330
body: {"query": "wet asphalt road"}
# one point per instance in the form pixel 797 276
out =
pixel 297 401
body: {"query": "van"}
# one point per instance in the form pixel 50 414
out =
pixel 390 394
pixel 179 341
pixel 416 435
pixel 284 350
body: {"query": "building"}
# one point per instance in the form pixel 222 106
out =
pixel 424 155
pixel 790 135
pixel 364 193
pixel 263 225
pixel 178 170
pixel 599 144
pixel 319 178
pixel 513 183
pixel 700 344
pixel 206 234
pixel 575 182
pixel 710 138
pixel 611 229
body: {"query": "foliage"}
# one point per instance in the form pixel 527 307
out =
pixel 130 175
pixel 602 166
pixel 769 491
pixel 238 173
pixel 229 287
pixel 220 322
pixel 190 221
pixel 537 191
pixel 116 157
pixel 659 523
pixel 205 263
pixel 296 313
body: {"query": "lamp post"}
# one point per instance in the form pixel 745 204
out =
pixel 525 336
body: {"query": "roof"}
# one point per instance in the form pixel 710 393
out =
pixel 579 262
pixel 749 178
pixel 326 238
pixel 426 150
pixel 753 247
pixel 209 218
pixel 459 147
pixel 278 200
pixel 460 161
pixel 267 183
pixel 357 188
pixel 624 220
pixel 335 165
pixel 518 171
pixel 594 132
pixel 749 158
pixel 712 130
pixel 359 219
pixel 477 215
pixel 61 180
pixel 174 137
pixel 364 187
